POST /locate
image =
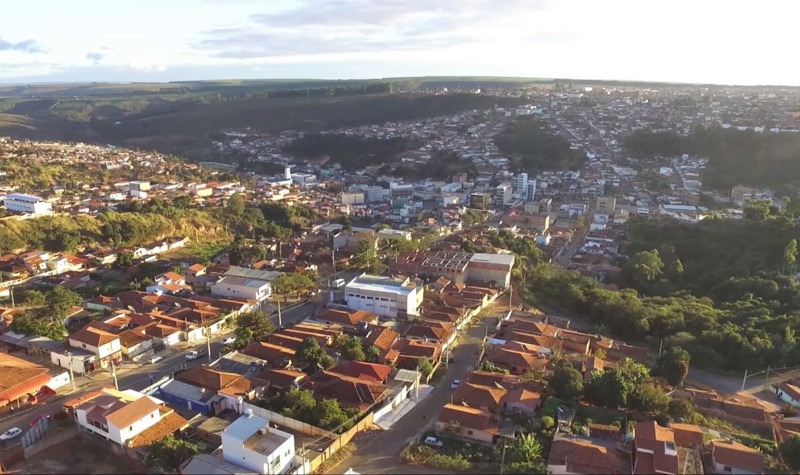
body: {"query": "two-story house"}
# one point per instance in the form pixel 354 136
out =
pixel 105 345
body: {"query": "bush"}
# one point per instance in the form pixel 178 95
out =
pixel 454 463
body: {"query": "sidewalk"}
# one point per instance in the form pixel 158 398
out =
pixel 401 410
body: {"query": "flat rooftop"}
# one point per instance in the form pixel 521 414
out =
pixel 378 282
pixel 268 441
pixel 266 275
pixel 501 259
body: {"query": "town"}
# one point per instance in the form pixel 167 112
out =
pixel 409 297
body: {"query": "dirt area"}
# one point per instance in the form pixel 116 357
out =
pixel 80 455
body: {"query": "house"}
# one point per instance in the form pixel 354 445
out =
pixel 347 318
pixel 241 287
pixel 280 378
pixel 105 345
pixel 233 388
pixel 788 393
pixel 495 398
pixel 687 435
pixel 276 356
pixel 580 455
pixel 372 372
pixel 254 445
pixel 436 332
pixel 21 380
pixel 119 416
pixel 470 423
pixel 516 362
pixel 135 342
pixel 191 273
pixel 350 392
pixel 655 449
pixel 381 337
pixel 729 456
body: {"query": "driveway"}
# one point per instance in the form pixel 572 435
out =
pixel 379 454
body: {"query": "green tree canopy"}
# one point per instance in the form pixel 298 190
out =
pixel 351 349
pixel 790 452
pixel 170 452
pixel 673 365
pixel 424 366
pixel 566 380
pixel 260 326
pixel 310 354
pixel 60 301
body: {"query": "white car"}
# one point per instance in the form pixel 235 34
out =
pixel 434 442
pixel 11 433
pixel 155 359
pixel 455 384
pixel 229 340
pixel 192 355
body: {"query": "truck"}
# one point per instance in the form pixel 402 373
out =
pixel 338 283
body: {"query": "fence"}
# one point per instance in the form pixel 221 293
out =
pixel 282 420
pixel 55 437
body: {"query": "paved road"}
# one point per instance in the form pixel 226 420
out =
pixel 379 454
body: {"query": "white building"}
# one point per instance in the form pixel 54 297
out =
pixel 105 345
pixel 251 443
pixel 118 416
pixel 522 184
pixel 352 198
pixel 242 288
pixel 384 296
pixel 21 203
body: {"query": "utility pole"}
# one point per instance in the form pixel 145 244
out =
pixel 114 373
pixel 660 345
pixel 71 372
pixel 208 337
pixel 503 459
pixel 280 318
pixel 744 380
pixel 11 289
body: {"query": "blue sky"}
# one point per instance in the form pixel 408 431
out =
pixel 726 42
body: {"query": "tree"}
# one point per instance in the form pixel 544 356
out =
pixel 790 256
pixel 366 259
pixel 124 259
pixel 680 409
pixel 34 298
pixel 259 325
pixel 244 335
pixel 170 452
pixel 673 365
pixel 373 354
pixel 757 210
pixel 351 349
pixel 453 428
pixel 646 267
pixel 424 366
pixel 524 455
pixel 650 397
pixel 60 301
pixel 310 354
pixel 329 415
pixel 790 451
pixel 566 380
pixel 235 205
pixel 611 388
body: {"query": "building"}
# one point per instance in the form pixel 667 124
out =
pixel 352 198
pixel 473 424
pixel 251 443
pixel 655 449
pixel 530 191
pixel 522 184
pixel 729 456
pixel 606 205
pixel 241 287
pixel 384 296
pixel 21 380
pixel 545 205
pixel 573 454
pixel 459 267
pixel 119 416
pixel 479 200
pixel 502 193
pixel 788 393
pixel 22 203
pixel 106 346
pixel 741 194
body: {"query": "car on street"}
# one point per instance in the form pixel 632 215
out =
pixel 229 340
pixel 155 359
pixel 455 383
pixel 192 355
pixel 434 442
pixel 11 434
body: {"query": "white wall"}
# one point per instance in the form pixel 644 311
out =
pixel 126 433
pixel 63 361
pixel 60 380
pixel 233 451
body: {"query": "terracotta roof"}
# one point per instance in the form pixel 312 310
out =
pixel 429 332
pixel 651 436
pixel 476 395
pixel 196 267
pixel 414 348
pixel 687 435
pixel 372 372
pixel 281 378
pixel 287 341
pixel 382 337
pixel 267 351
pixel 344 317
pixel 605 432
pixel 514 359
pixel 91 335
pixel 132 412
pixel 790 389
pixel 205 377
pixel 467 417
pixel 131 338
pixel 348 391
pixel 735 454
pixel 169 424
pixel 523 396
pixel 583 456
pixel 75 402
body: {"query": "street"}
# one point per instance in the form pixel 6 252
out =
pixel 379 455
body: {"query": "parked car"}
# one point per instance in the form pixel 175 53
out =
pixel 434 442
pixel 192 355
pixel 455 383
pixel 11 434
pixel 155 359
pixel 229 340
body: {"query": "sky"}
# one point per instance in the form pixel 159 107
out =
pixel 705 41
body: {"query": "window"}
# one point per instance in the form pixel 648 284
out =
pixel 130 427
pixel 469 432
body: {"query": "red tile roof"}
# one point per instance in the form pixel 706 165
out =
pixel 583 456
pixel 372 372
pixel 734 454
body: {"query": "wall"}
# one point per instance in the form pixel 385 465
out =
pixel 478 436
pixel 58 381
pixel 53 438
pixel 138 426
pixel 282 420
pixel 390 407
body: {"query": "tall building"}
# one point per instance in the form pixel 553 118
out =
pixel 606 204
pixel 522 183
pixel 502 193
pixel 479 200
pixel 384 296
pixel 530 191
pixel 21 203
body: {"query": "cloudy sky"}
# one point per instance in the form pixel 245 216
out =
pixel 716 41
